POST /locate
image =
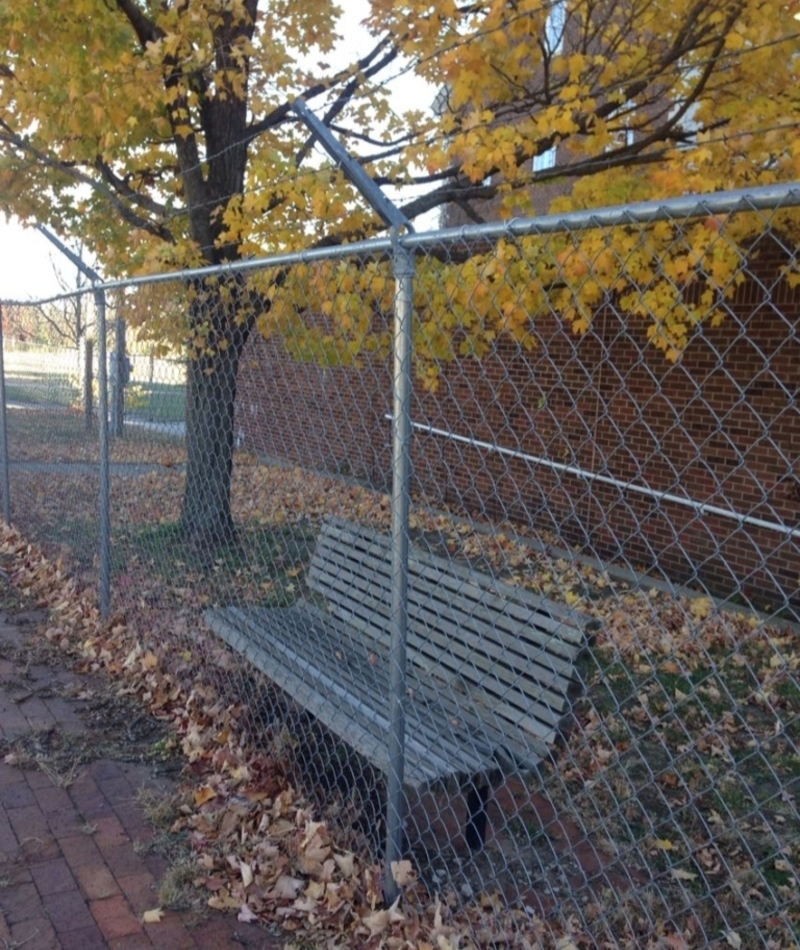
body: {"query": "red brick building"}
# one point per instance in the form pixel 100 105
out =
pixel 689 470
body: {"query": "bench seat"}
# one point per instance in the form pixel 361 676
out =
pixel 490 666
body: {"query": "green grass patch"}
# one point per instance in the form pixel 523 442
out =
pixel 156 402
pixel 266 565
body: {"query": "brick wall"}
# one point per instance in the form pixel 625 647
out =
pixel 721 427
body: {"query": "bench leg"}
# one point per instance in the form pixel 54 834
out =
pixel 477 802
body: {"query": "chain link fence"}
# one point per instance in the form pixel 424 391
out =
pixel 542 598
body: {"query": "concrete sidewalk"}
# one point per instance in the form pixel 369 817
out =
pixel 75 872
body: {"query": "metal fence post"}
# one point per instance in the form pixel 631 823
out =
pixel 401 465
pixel 105 523
pixel 88 383
pixel 118 379
pixel 4 430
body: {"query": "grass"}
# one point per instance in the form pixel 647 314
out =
pixel 47 376
pixel 41 391
pixel 42 377
pixel 156 402
pixel 265 566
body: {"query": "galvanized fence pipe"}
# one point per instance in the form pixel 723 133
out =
pixel 6 481
pixel 401 467
pixel 105 481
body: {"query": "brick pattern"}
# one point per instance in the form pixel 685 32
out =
pixel 71 877
pixel 720 427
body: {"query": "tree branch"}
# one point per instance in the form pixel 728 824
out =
pixel 124 189
pixel 9 137
pixel 146 31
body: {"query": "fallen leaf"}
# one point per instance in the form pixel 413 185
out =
pixel 152 916
pixel 403 873
pixel 346 863
pixel 204 794
pixel 285 888
pixel 246 915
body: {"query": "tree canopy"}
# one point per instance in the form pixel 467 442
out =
pixel 161 132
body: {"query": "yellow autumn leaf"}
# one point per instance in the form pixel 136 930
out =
pixel 204 794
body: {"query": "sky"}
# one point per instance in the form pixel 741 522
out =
pixel 29 263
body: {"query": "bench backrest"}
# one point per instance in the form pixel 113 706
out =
pixel 509 650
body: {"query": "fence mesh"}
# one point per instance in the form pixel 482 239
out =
pixel 602 687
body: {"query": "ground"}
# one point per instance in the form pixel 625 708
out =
pixel 669 818
pixel 86 782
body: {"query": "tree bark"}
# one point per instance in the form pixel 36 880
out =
pixel 206 515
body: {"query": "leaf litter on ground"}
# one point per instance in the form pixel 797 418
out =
pixel 699 687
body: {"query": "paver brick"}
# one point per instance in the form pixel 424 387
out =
pixel 14 724
pixel 96 881
pixel 18 795
pixel 80 850
pixel 132 942
pixel 140 890
pixel 75 881
pixel 64 822
pixel 87 938
pixel 38 850
pixel 34 934
pixel 171 935
pixel 115 917
pixel 53 877
pixel 36 778
pixel 28 822
pixel 94 807
pixel 123 860
pixel 50 798
pixel 8 840
pixel 9 775
pixel 37 714
pixel 69 911
pixel 21 902
pixel 109 832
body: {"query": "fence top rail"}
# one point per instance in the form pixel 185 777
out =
pixel 645 212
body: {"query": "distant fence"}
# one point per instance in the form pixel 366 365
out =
pixel 521 613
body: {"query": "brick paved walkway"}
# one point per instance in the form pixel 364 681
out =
pixel 70 876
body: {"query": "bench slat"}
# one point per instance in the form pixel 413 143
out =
pixel 508 621
pixel 515 697
pixel 505 594
pixel 441 639
pixel 487 732
pixel 344 702
pixel 429 615
pixel 490 671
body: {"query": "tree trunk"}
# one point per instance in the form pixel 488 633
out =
pixel 210 404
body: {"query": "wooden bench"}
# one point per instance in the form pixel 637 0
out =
pixel 490 666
